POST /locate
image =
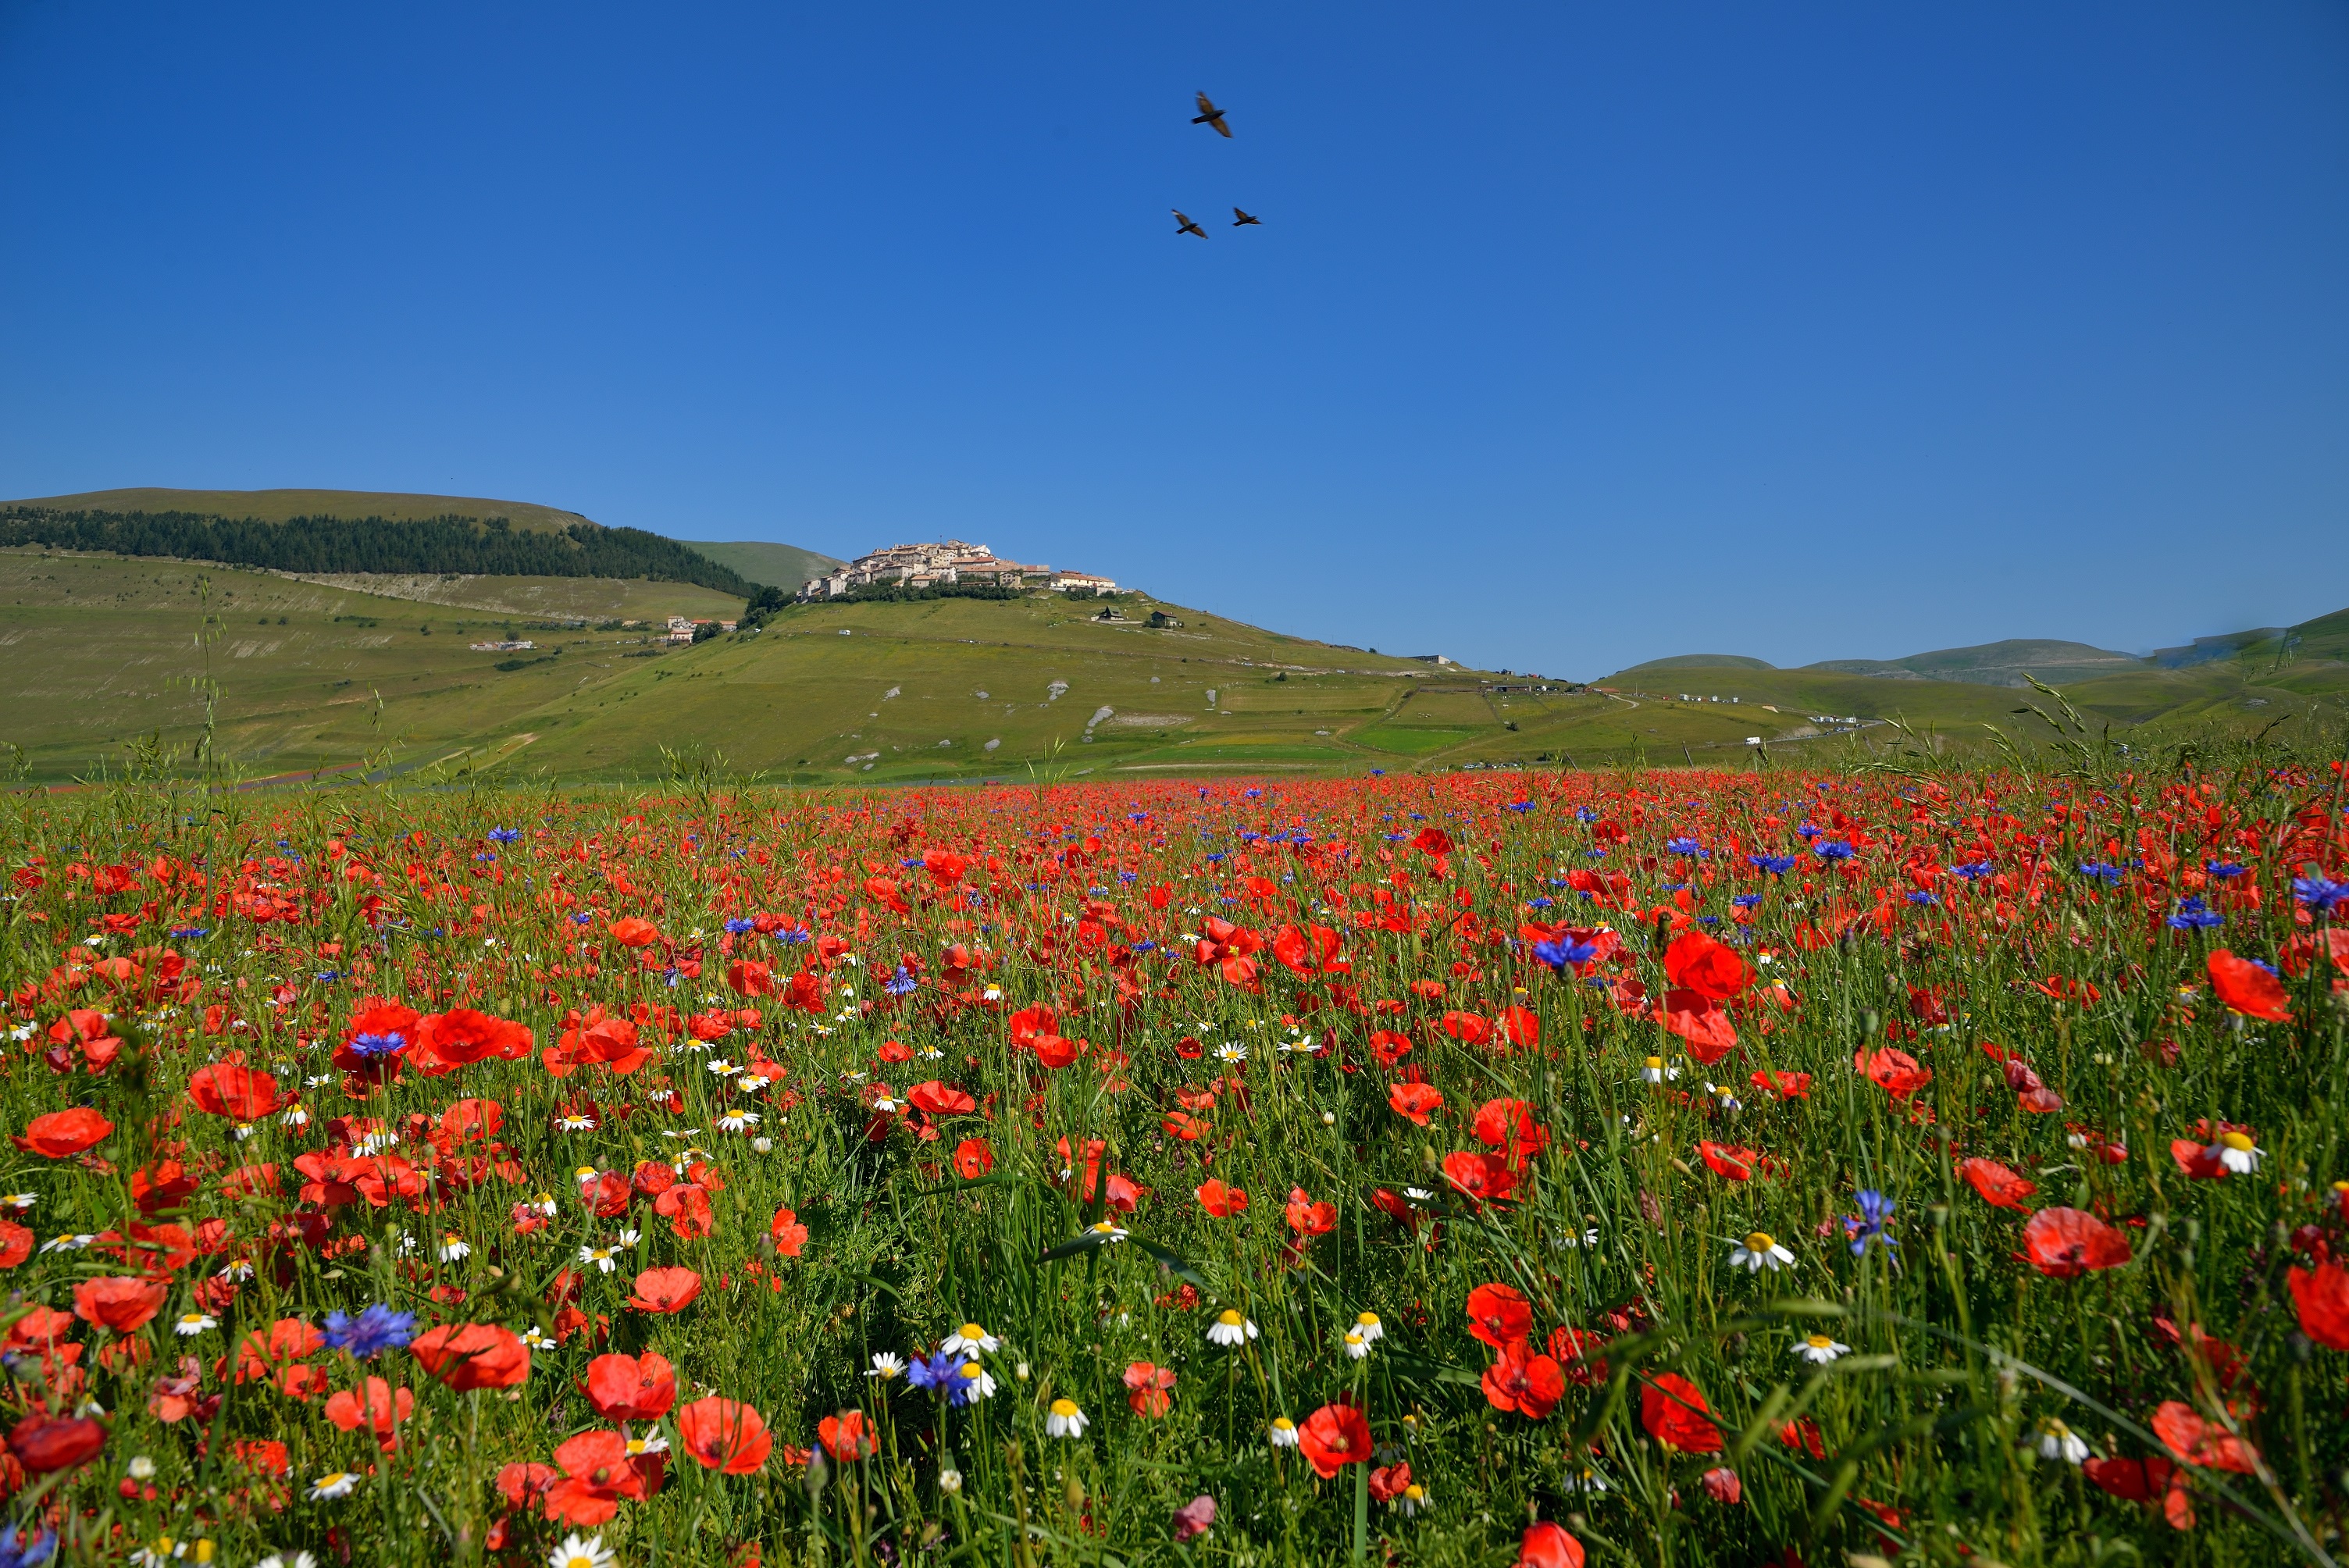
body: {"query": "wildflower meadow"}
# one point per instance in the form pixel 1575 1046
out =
pixel 1692 1168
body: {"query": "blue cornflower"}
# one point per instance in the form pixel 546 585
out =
pixel 1776 865
pixel 2195 915
pixel 17 1551
pixel 1537 902
pixel 1585 814
pixel 185 933
pixel 1812 830
pixel 1921 896
pixel 504 835
pixel 1972 871
pixel 2319 894
pixel 2225 870
pixel 374 1331
pixel 1253 794
pixel 902 984
pixel 2102 872
pixel 1686 847
pixel 582 918
pixel 1875 1213
pixel 1708 920
pixel 1746 900
pixel 1833 849
pixel 1563 950
pixel 738 926
pixel 390 1043
pixel 941 1375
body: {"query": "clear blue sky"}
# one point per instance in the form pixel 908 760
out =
pixel 1574 334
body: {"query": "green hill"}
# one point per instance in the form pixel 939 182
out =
pixel 784 566
pixel 1700 662
pixel 320 531
pixel 286 505
pixel 1996 664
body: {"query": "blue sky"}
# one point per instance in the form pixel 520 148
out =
pixel 1574 335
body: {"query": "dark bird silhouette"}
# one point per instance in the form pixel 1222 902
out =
pixel 1210 115
pixel 1184 224
pixel 1240 217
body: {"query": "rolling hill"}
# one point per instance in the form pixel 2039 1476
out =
pixel 309 669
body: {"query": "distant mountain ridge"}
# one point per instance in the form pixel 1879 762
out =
pixel 2015 661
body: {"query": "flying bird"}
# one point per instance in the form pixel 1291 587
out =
pixel 1210 115
pixel 1184 224
pixel 1240 217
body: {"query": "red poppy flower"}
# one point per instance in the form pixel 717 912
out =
pixel 1524 1380
pixel 121 1303
pixel 43 1442
pixel 940 1099
pixel 631 1388
pixel 462 1034
pixel 1785 1086
pixel 239 1093
pixel 1029 1022
pixel 16 1243
pixel 2323 1298
pixel 1308 1218
pixel 847 1436
pixel 377 1408
pixel 1734 1161
pixel 2064 1243
pixel 61 1134
pixel 598 1471
pixel 1677 1417
pixel 1468 1028
pixel 1334 1437
pixel 665 1290
pixel 973 1158
pixel 1499 1314
pixel 1484 1178
pixel 1147 1387
pixel 1895 1072
pixel 1416 1100
pixel 1548 1546
pixel 1055 1052
pixel 1508 1125
pixel 729 1436
pixel 788 1234
pixel 472 1356
pixel 1220 1201
pixel 2192 1441
pixel 1695 962
pixel 2000 1186
pixel 1576 1351
pixel 2247 988
pixel 629 931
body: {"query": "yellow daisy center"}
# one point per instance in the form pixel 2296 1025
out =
pixel 2239 1142
pixel 973 1331
pixel 1821 1342
pixel 1231 1319
pixel 1759 1242
pixel 1064 1408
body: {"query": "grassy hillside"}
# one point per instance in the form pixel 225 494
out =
pixel 104 654
pixel 784 566
pixel 285 505
pixel 1997 664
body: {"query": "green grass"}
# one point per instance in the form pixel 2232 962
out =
pixel 784 566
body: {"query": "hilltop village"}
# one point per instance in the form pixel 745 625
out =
pixel 949 562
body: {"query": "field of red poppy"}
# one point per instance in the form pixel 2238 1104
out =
pixel 1690 1168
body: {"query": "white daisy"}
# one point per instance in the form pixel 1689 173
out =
pixel 1818 1349
pixel 1230 1327
pixel 1655 1071
pixel 334 1485
pixel 454 1246
pixel 1064 1419
pixel 1757 1251
pixel 1231 1051
pixel 2238 1153
pixel 68 1243
pixel 1283 1433
pixel 574 1552
pixel 602 1257
pixel 279 1559
pixel 970 1336
pixel 976 1378
pixel 2058 1441
pixel 886 1365
pixel 575 1122
pixel 538 1339
pixel 194 1323
pixel 1357 1345
pixel 1368 1325
pixel 1412 1499
pixel 738 1122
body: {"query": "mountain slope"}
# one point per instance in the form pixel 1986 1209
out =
pixel 1996 664
pixel 784 566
